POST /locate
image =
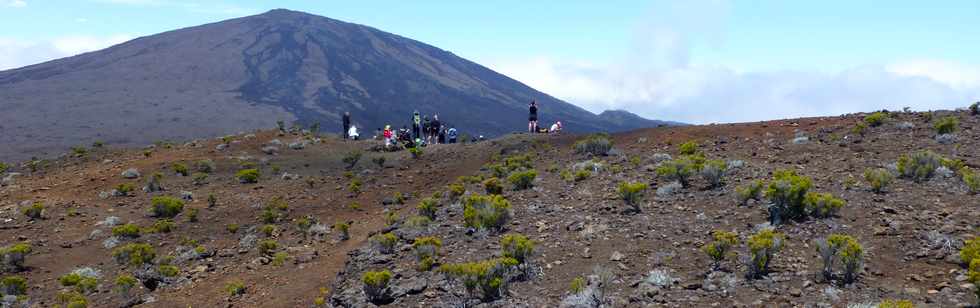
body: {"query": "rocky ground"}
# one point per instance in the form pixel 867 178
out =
pixel 911 233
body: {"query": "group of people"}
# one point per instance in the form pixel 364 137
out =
pixel 425 131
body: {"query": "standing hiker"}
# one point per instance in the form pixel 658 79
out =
pixel 451 134
pixel 434 128
pixel 416 124
pixel 346 121
pixel 426 130
pixel 532 120
pixel 388 135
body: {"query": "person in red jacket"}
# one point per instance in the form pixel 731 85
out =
pixel 388 135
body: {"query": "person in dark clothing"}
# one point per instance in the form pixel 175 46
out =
pixel 346 121
pixel 532 120
pixel 435 128
pixel 426 130
pixel 416 124
pixel 442 135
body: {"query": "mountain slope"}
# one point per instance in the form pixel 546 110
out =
pixel 249 72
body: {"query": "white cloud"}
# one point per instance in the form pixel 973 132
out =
pixel 656 78
pixel 18 53
pixel 210 7
pixel 15 3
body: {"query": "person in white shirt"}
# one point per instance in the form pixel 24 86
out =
pixel 352 132
pixel 555 128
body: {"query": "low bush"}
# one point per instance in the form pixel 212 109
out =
pixel 384 242
pixel 763 246
pixel 522 179
pixel 456 190
pixel 518 247
pixel 946 125
pixel 166 207
pixel 485 280
pixel 859 129
pixel 376 285
pixel 343 230
pixel 268 230
pixel 416 152
pixel 822 205
pixel 204 166
pixel 134 254
pixel 688 148
pixel 973 274
pixel 126 230
pixel 125 283
pixel 490 212
pixel 632 193
pixel 713 172
pixel 577 285
pixel 167 270
pixel 919 166
pixel 720 247
pixel 4 167
pixel 180 169
pixel 351 159
pixel 750 191
pixel 970 250
pixel 879 179
pixel 267 247
pixel 199 178
pixel 232 228
pixel 875 119
pixel 125 188
pixel 582 175
pixel 235 288
pixel 845 250
pixel 247 176
pixel 279 258
pixel 787 192
pixel 972 180
pixel 896 303
pixel 192 214
pixel 596 145
pixel 355 186
pixel 426 251
pixel 428 207
pixel 82 284
pixel 34 211
pixel 680 169
pixel 13 285
pixel 492 186
pixel 14 256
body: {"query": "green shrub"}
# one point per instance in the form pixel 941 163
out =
pixel 34 211
pixel 391 218
pixel 919 166
pixel 972 180
pixel 204 166
pixel 343 229
pixel 125 283
pixel 248 176
pixel 844 249
pixel 192 214
pixel 126 230
pixel 456 190
pixel 879 179
pixel 973 274
pixel 355 186
pixel 166 207
pixel 267 247
pixel 180 169
pixel 82 284
pixel 199 178
pixel 489 277
pixel 232 228
pixel 490 212
pixel 577 285
pixel 859 129
pixel 787 192
pixel 581 175
pixel 376 285
pixel 970 250
pixel 632 194
pixel 688 148
pixel 268 230
pixel 426 251
pixel 876 119
pixel 280 258
pixel 13 256
pixel 134 254
pixel 713 172
pixel 492 186
pixel 72 299
pixel 517 247
pixel 762 248
pixel 13 285
pixel 351 159
pixel 418 222
pixel 416 152
pixel 428 207
pixel 384 242
pixel 752 190
pixel 680 169
pixel 896 303
pixel 721 246
pixel 235 288
pixel 4 167
pixel 946 125
pixel 125 188
pixel 398 197
pixel 596 145
pixel 522 179
pixel 79 151
pixel 168 270
pixel 822 205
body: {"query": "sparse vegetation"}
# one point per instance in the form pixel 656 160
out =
pixel 426 251
pixel 125 188
pixel 4 167
pixel 822 205
pixel 247 176
pixel 126 230
pixel 582 175
pixel 428 207
pixel 878 178
pixel 490 212
pixel 486 280
pixel 355 186
pixel 376 285
pixel 199 178
pixel 268 246
pixel 522 179
pixel 787 192
pixel 352 157
pixel 714 172
pixel 492 186
pixel 166 207
pixel 13 285
pixel 875 119
pixel 232 228
pixel 688 148
pixel 134 254
pixel 632 194
pixel 168 270
pixel 946 125
pixel 125 283
pixel 180 169
pixel 596 145
pixel 456 190
pixel 750 191
pixel 81 284
pixel 896 303
pixel 763 246
pixel 518 247
pixel 13 256
pixel 919 166
pixel 34 211
pixel 235 288
pixel 343 229
pixel 970 250
pixel 680 169
pixel 972 180
pixel 416 152
pixel 205 166
pixel 845 250
pixel 720 247
pixel 859 129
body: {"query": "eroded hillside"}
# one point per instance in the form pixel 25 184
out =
pixel 423 219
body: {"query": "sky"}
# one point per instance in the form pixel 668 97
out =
pixel 695 61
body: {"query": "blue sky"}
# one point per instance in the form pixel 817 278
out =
pixel 699 61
